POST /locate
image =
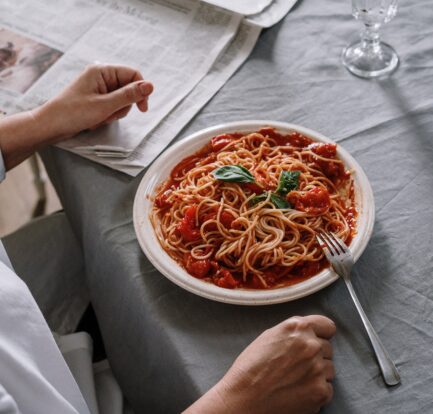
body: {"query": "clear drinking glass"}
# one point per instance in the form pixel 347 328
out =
pixel 370 57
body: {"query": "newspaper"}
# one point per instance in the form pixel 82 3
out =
pixel 187 48
pixel 272 14
pixel 244 7
pixel 174 43
pixel 33 36
pixel 238 51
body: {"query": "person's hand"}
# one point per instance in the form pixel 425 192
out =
pixel 101 94
pixel 287 369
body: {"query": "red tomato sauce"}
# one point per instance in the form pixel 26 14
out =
pixel 315 201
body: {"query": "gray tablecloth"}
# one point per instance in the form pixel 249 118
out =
pixel 167 346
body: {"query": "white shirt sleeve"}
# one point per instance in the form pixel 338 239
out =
pixel 7 403
pixel 33 374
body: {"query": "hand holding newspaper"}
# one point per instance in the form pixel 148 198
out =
pixel 187 48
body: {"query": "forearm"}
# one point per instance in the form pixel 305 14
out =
pixel 210 403
pixel 23 134
pixel 221 399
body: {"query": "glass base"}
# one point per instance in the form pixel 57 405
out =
pixel 370 62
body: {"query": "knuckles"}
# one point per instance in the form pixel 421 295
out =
pixel 97 67
pixel 317 368
pixel 305 346
pixel 93 68
pixel 296 323
pixel 312 347
pixel 321 392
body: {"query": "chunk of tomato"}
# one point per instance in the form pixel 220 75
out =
pixel 326 150
pixel 332 170
pixel 197 268
pixel 226 219
pixel 296 139
pixel 190 213
pixel 315 201
pixel 187 227
pixel 226 279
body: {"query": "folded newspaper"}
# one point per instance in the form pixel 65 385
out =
pixel 187 48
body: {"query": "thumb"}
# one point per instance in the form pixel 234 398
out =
pixel 129 94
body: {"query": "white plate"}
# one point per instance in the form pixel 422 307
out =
pixel 160 171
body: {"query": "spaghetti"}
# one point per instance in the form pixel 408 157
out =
pixel 244 210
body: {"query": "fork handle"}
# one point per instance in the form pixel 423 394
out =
pixel 390 373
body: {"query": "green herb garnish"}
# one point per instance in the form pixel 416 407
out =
pixel 289 180
pixel 233 174
pixel 276 200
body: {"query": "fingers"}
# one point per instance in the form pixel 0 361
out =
pixel 135 92
pixel 117 76
pixel 320 394
pixel 142 105
pixel 326 348
pixel 121 113
pixel 330 393
pixel 322 326
pixel 328 370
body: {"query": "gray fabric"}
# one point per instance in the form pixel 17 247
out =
pixel 167 346
pixel 46 255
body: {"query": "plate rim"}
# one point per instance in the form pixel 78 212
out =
pixel 242 296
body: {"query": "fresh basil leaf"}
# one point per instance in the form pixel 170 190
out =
pixel 280 202
pixel 276 200
pixel 233 174
pixel 289 180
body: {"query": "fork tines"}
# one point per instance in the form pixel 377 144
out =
pixel 333 243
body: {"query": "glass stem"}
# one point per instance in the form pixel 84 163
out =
pixel 370 38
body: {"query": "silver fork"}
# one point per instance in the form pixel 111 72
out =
pixel 341 260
